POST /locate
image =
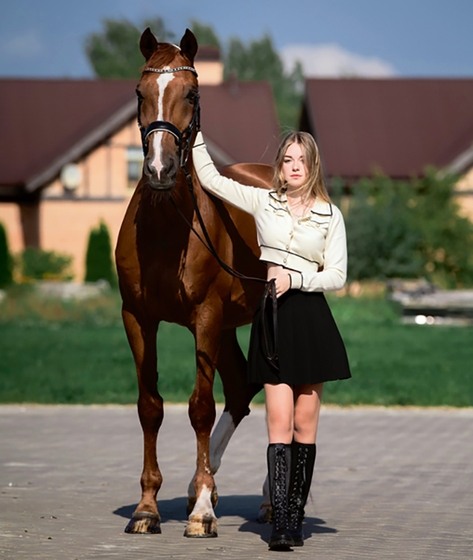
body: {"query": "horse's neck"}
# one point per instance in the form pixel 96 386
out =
pixel 171 212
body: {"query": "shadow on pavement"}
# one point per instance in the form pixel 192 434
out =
pixel 246 507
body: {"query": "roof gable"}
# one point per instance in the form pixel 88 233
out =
pixel 397 126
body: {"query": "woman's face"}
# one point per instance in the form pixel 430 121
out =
pixel 293 167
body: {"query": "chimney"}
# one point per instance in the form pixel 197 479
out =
pixel 209 66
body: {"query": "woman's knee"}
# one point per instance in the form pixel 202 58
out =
pixel 280 425
pixel 304 423
pixel 306 413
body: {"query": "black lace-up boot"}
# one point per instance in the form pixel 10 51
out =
pixel 302 468
pixel 279 465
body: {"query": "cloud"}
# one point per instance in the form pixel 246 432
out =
pixel 332 61
pixel 28 44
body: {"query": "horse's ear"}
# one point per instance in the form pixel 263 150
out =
pixel 148 43
pixel 189 45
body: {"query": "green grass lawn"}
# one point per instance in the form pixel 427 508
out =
pixel 78 353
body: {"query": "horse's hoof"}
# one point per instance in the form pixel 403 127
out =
pixel 201 526
pixel 265 513
pixel 144 523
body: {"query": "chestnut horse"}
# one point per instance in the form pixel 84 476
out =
pixel 166 274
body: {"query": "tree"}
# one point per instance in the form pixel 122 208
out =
pixel 381 242
pixel 409 229
pixel 114 52
pixel 259 60
pixel 205 34
pixel 98 260
pixel 6 260
pixel 446 236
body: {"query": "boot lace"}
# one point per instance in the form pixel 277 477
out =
pixel 280 493
pixel 296 507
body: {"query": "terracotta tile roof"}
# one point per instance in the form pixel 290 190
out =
pixel 396 125
pixel 241 118
pixel 42 122
pixel 42 119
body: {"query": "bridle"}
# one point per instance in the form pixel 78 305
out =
pixel 183 141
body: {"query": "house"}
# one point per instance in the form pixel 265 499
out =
pixel 393 126
pixel 70 151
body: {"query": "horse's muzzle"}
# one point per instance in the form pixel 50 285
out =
pixel 160 186
pixel 163 181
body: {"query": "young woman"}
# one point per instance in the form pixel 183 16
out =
pixel 302 239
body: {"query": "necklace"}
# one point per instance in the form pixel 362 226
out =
pixel 299 208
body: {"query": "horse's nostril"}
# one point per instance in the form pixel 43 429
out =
pixel 170 168
pixel 150 170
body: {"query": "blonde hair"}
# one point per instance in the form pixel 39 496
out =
pixel 315 186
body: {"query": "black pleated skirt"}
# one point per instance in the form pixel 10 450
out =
pixel 309 345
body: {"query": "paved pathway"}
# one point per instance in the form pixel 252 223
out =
pixel 389 483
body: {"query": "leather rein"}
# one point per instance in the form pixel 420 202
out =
pixel 183 141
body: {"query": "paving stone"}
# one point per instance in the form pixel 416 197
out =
pixel 388 483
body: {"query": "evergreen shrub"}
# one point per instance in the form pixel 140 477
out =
pixel 6 260
pixel 98 261
pixel 37 264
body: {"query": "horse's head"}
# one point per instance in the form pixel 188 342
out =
pixel 168 107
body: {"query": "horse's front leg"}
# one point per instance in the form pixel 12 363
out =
pixel 202 521
pixel 142 339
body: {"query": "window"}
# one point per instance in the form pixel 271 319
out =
pixel 134 158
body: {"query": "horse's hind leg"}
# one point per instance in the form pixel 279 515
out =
pixel 232 367
pixel 142 341
pixel 238 394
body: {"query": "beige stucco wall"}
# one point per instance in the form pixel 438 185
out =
pixel 65 226
pixel 464 189
pixel 10 218
pixel 210 72
pixel 67 218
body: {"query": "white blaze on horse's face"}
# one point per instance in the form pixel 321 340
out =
pixel 163 81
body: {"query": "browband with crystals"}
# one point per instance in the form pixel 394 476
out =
pixel 171 70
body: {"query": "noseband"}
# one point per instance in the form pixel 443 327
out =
pixel 182 139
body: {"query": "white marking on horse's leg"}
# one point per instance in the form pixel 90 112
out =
pixel 203 505
pixel 163 80
pixel 219 439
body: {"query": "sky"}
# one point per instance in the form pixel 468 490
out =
pixel 412 38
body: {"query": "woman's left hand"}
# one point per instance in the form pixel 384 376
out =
pixel 283 283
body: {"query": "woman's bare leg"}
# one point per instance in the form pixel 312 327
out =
pixel 307 401
pixel 279 412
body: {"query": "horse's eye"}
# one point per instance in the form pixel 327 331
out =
pixel 191 97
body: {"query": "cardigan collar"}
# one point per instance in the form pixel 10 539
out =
pixel 319 207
